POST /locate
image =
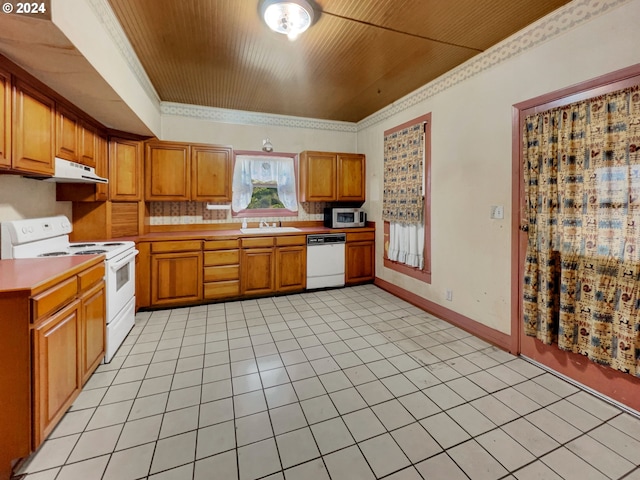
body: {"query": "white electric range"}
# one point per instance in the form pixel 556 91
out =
pixel 49 237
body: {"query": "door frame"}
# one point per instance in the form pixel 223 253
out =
pixel 618 386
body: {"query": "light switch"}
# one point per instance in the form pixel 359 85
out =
pixel 497 212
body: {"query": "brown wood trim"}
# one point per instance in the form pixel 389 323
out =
pixel 495 337
pixel 516 195
pixel 426 118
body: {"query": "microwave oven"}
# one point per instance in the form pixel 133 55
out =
pixel 343 217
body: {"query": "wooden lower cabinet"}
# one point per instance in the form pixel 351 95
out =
pixel 360 258
pixel 56 379
pixel 176 277
pixel 92 330
pixel 258 271
pixel 221 269
pixel 291 262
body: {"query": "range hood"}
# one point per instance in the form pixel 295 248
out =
pixel 71 172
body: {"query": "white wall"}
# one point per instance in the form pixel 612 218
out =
pixel 26 198
pixel 471 151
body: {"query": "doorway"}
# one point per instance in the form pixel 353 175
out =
pixel 616 385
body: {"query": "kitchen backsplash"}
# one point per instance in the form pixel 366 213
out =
pixel 185 213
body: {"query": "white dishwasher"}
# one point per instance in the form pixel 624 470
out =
pixel 325 260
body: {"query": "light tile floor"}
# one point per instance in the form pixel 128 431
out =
pixel 339 384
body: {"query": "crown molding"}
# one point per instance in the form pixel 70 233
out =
pixel 553 25
pixel 105 14
pixel 243 117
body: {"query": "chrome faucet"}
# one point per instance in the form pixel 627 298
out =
pixel 264 223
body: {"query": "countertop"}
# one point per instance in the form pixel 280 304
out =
pixel 236 233
pixel 38 274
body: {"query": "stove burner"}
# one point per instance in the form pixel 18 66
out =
pixel 91 252
pixel 113 244
pixel 53 254
pixel 83 245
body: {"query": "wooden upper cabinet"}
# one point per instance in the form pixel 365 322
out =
pixel 33 122
pixel 211 173
pixel 351 178
pixel 332 177
pixel 318 174
pixel 87 144
pixel 66 134
pixel 125 169
pixel 167 173
pixel 5 119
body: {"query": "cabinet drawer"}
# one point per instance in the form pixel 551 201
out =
pixel 178 246
pixel 228 272
pixel 257 242
pixel 291 240
pixel 226 289
pixel 360 236
pixel 90 277
pixel 221 257
pixel 51 300
pixel 221 244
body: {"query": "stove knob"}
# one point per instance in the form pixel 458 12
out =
pixel 30 229
pixel 24 230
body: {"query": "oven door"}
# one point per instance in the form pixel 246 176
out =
pixel 120 282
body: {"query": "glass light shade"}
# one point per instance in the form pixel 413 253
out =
pixel 288 17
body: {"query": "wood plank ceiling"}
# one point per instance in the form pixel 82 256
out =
pixel 358 56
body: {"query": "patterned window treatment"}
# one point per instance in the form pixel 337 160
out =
pixel 402 200
pixel 254 168
pixel 582 266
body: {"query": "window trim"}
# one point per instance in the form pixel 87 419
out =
pixel 267 212
pixel 424 274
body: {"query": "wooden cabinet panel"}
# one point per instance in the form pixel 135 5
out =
pixel 292 268
pixel 351 178
pixel 92 331
pixel 125 169
pixel 222 289
pixel 360 262
pixel 56 369
pixel 167 173
pixel 258 271
pixel 67 134
pixel 33 122
pixel 318 174
pixel 54 298
pixel 222 272
pixel 177 246
pixel 211 173
pixel 5 119
pixel 222 257
pixel 176 278
pixel 87 144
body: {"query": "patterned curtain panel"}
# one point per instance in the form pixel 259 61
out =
pixel 403 158
pixel 582 267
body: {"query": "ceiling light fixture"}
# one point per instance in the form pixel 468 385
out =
pixel 290 17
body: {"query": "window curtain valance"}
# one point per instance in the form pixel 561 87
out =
pixel 250 169
pixel 582 193
pixel 402 201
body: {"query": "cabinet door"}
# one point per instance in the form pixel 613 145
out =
pixel 258 271
pixel 351 178
pixel 67 134
pixel 359 266
pixel 211 173
pixel 167 173
pixel 87 144
pixel 92 331
pixel 176 278
pixel 318 177
pixel 292 268
pixel 56 374
pixel 125 169
pixel 5 119
pixel 33 130
pixel 102 167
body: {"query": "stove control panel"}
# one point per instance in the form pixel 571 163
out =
pixel 31 230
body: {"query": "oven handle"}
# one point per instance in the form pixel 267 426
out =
pixel 116 267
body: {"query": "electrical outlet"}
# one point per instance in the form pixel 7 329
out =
pixel 497 212
pixel 449 295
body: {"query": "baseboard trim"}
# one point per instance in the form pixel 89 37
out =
pixel 488 334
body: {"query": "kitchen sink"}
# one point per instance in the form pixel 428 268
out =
pixel 270 230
